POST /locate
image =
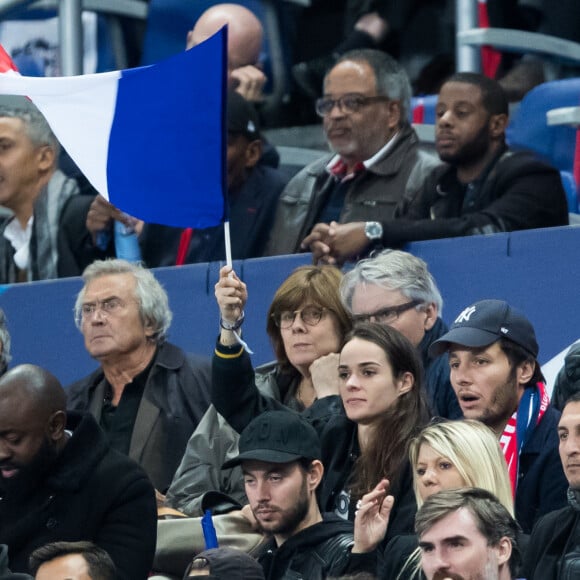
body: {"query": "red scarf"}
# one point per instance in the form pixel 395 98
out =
pixel 530 411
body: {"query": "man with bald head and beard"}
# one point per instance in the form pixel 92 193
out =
pixel 59 479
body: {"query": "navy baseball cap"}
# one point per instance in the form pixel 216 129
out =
pixel 277 437
pixel 484 323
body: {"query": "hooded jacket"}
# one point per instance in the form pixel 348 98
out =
pixel 315 553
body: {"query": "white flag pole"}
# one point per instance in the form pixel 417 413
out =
pixel 228 243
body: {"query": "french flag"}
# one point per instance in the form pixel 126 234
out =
pixel 151 140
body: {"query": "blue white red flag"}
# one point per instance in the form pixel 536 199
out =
pixel 151 140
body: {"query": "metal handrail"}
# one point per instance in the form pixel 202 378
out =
pixel 70 22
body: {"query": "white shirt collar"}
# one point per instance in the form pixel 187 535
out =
pixel 20 240
pixel 372 160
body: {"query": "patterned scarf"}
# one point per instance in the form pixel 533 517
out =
pixel 520 426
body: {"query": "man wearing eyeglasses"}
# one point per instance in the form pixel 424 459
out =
pixel 147 395
pixel 483 188
pixel 376 159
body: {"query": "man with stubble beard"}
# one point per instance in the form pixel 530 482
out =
pixel 496 376
pixel 280 458
pixel 467 534
pixel 483 187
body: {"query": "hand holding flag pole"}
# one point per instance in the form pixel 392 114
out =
pixel 150 140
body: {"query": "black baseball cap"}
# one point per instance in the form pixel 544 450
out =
pixel 277 437
pixel 242 117
pixel 485 322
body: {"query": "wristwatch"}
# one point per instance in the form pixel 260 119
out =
pixel 373 230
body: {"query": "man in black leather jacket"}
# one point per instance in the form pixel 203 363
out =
pixel 280 458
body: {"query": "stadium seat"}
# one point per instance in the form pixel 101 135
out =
pixel 111 50
pixel 423 109
pixel 556 144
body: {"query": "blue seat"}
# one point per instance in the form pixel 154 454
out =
pixel 528 129
pixel 423 109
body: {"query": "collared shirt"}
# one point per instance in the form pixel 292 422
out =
pixel 20 240
pixel 118 421
pixel 332 208
pixel 336 163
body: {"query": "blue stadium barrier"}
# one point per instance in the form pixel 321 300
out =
pixel 535 270
pixel 41 321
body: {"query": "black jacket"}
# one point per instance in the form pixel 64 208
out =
pixel 556 534
pixel 395 556
pixel 516 192
pixel 91 493
pixel 315 553
pixel 238 400
pixel 340 450
pixel 175 398
pixel 541 481
pixel 76 250
pixel 440 393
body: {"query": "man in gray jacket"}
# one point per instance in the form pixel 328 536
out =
pixel 376 160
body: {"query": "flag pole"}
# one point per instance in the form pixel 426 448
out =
pixel 228 243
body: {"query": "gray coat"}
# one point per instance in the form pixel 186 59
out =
pixel 213 443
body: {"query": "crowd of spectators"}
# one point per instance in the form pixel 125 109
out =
pixel 380 443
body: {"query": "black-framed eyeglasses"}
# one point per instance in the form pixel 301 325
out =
pixel 386 315
pixel 349 103
pixel 310 315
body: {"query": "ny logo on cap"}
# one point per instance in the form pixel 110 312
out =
pixel 465 315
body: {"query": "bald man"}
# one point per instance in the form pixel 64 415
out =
pixel 59 480
pixel 245 35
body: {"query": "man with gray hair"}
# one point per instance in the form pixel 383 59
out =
pixel 467 534
pixel 148 395
pixel 396 289
pixel 376 161
pixel 36 193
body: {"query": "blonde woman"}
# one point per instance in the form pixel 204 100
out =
pixel 445 455
pixel 466 452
